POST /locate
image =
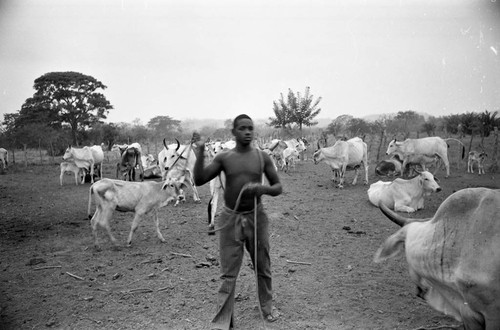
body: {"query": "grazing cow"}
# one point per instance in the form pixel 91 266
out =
pixel 83 158
pixel 138 197
pixel 131 157
pixel 427 146
pixel 454 257
pixel 342 156
pixel 182 158
pixel 277 150
pixel 4 157
pixel 389 167
pixel 476 157
pixel 404 195
pixel 70 167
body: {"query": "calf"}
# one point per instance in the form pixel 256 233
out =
pixel 424 161
pixel 124 196
pixel 404 195
pixel 71 167
pixel 476 157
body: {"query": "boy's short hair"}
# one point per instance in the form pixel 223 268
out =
pixel 242 116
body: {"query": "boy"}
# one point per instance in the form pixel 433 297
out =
pixel 243 167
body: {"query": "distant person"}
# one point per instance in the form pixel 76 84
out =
pixel 243 167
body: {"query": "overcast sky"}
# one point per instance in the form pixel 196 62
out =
pixel 216 59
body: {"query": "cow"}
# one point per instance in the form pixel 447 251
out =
pixel 293 146
pixel 83 158
pixel 182 158
pixel 4 157
pixel 389 167
pixel 138 197
pixel 130 158
pixel 404 195
pixel 342 156
pixel 217 184
pixel 431 146
pixel 454 257
pixel 70 167
pixel 476 157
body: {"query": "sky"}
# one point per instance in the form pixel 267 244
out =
pixel 204 59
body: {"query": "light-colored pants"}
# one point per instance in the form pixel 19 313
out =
pixel 237 230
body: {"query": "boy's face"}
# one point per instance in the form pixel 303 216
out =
pixel 243 131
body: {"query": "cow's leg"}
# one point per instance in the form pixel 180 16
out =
pixel 61 178
pixel 157 222
pixel 356 172
pixel 135 224
pixel 91 173
pixel 401 206
pixel 76 176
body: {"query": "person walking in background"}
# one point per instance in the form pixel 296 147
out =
pixel 243 167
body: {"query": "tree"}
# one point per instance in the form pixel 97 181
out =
pixel 66 98
pixel 165 126
pixel 306 110
pixel 300 110
pixel 338 126
pixel 429 127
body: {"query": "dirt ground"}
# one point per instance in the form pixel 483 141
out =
pixel 52 277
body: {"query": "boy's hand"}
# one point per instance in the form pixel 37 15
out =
pixel 254 188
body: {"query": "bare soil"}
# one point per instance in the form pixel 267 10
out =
pixel 52 277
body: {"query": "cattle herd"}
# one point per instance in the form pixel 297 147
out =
pixel 453 257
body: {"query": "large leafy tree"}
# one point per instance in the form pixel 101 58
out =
pixel 66 98
pixel 296 109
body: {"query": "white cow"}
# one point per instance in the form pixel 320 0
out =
pixel 70 167
pixel 476 157
pixel 454 257
pixel 292 146
pixel 217 184
pixel 125 196
pixel 342 156
pixel 4 157
pixel 181 158
pixel 431 146
pixel 83 158
pixel 404 195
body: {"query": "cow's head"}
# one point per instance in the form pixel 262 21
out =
pixel 394 146
pixel 68 153
pixel 175 189
pixel 318 156
pixel 428 182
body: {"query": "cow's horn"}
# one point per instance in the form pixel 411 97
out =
pixel 178 145
pixel 165 143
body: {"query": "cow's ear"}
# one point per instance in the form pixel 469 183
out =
pixel 392 246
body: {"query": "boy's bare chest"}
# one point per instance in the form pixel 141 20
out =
pixel 242 164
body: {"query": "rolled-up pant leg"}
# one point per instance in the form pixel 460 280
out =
pixel 263 260
pixel 231 256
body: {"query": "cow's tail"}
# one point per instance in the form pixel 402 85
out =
pixel 463 146
pixel 91 191
pixel 396 218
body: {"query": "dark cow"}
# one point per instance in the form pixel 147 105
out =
pixel 125 169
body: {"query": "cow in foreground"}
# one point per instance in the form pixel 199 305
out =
pixel 70 167
pixel 123 196
pixel 404 195
pixel 430 146
pixel 476 157
pixel 342 156
pixel 454 257
pixel 4 157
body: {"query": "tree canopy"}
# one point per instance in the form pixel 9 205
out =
pixel 65 98
pixel 297 109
